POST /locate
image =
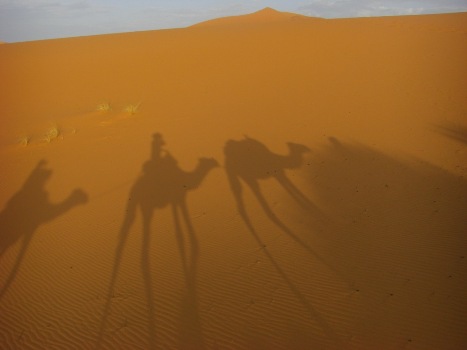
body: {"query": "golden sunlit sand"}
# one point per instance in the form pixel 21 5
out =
pixel 268 181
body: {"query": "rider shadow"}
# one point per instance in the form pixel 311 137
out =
pixel 26 211
pixel 251 161
pixel 163 183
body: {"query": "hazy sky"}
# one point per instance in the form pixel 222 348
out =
pixel 24 20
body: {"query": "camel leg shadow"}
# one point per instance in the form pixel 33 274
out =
pixel 124 230
pixel 292 287
pixel 299 197
pixel 273 217
pixel 191 335
pixel 145 266
pixel 15 269
pixel 147 278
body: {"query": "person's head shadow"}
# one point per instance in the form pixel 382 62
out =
pixel 26 210
pixel 163 183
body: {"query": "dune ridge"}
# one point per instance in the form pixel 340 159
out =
pixel 266 15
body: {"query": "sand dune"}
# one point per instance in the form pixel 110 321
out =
pixel 266 15
pixel 267 181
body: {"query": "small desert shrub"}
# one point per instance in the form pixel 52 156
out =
pixel 132 109
pixel 104 107
pixel 24 140
pixel 52 133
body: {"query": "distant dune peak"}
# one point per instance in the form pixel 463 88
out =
pixel 266 14
pixel 267 10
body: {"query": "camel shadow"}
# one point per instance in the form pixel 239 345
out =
pixel 26 211
pixel 162 184
pixel 250 161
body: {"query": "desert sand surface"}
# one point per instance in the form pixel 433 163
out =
pixel 268 181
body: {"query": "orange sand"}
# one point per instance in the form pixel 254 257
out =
pixel 358 242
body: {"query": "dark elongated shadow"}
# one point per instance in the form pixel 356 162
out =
pixel 293 288
pixel 190 329
pixel 395 221
pixel 251 161
pixel 26 211
pixel 162 183
pixel 453 131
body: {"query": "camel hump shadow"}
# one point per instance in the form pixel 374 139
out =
pixel 164 183
pixel 250 160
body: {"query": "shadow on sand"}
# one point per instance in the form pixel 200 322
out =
pixel 250 161
pixel 26 211
pixel 161 184
pixel 455 132
pixel 397 229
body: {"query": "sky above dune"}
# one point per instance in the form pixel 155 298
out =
pixel 26 20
